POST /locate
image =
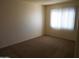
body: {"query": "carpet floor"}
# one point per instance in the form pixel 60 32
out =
pixel 42 47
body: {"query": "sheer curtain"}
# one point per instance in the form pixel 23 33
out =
pixel 62 18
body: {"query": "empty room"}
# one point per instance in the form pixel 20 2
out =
pixel 39 28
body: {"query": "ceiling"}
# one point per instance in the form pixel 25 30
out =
pixel 45 2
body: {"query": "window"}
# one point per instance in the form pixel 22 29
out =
pixel 62 18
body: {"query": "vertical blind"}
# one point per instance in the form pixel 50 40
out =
pixel 62 18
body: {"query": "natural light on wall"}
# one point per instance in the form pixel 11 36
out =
pixel 62 18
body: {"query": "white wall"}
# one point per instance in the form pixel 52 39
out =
pixel 70 35
pixel 77 41
pixel 19 21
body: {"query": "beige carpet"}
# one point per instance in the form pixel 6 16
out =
pixel 42 47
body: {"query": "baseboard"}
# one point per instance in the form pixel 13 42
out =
pixel 58 37
pixel 6 46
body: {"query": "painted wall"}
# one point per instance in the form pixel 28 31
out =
pixel 77 42
pixel 19 21
pixel 70 35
